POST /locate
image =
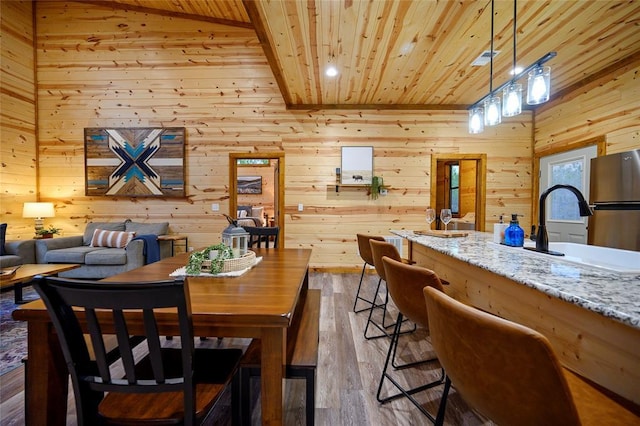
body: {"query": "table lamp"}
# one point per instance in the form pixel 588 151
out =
pixel 38 211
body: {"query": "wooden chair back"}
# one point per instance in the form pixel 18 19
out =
pixel 263 234
pixel 97 302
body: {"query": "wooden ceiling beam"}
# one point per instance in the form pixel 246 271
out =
pixel 170 13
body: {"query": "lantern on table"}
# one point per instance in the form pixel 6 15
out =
pixel 236 238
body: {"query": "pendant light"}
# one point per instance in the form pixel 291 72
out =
pixel 476 120
pixel 492 114
pixel 512 94
pixel 488 110
pixel 539 85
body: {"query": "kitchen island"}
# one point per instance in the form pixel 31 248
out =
pixel 590 315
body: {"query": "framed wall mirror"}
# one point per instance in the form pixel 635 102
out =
pixel 357 165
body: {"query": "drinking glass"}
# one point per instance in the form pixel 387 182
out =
pixel 445 216
pixel 431 216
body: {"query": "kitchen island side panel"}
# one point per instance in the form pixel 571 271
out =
pixel 597 347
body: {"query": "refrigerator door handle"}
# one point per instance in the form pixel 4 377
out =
pixel 616 206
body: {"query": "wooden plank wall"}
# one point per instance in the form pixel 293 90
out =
pixel 101 67
pixel 17 117
pixel 97 67
pixel 609 106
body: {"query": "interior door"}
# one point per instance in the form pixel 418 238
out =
pixel 563 220
pixel 277 160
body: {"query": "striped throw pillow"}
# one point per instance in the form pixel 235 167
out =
pixel 113 239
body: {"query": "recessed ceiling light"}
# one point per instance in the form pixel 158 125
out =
pixel 516 71
pixel 331 71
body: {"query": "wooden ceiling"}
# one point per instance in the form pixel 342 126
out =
pixel 418 53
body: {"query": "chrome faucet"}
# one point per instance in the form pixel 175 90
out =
pixel 542 239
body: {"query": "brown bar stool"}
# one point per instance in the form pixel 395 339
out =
pixel 379 249
pixel 509 373
pixel 365 253
pixel 405 284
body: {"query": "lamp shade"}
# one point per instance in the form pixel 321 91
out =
pixel 492 113
pixel 38 210
pixel 539 85
pixel 476 120
pixel 512 100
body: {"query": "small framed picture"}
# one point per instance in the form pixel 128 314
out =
pixel 357 165
pixel 249 185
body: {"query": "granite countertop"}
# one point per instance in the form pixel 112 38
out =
pixel 605 292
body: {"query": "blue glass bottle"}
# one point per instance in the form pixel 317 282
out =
pixel 514 234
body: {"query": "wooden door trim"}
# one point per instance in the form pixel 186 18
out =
pixel 481 182
pixel 233 184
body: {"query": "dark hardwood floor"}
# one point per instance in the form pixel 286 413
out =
pixel 347 378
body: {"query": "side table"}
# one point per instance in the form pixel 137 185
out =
pixel 173 238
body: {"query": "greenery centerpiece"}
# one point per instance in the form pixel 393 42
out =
pixel 222 253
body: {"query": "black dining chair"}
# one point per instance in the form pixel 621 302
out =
pixel 167 385
pixel 262 234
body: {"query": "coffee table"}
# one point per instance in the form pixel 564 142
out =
pixel 26 273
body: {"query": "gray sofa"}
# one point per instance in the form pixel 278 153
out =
pixel 18 252
pixel 101 262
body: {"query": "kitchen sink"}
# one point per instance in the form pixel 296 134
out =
pixel 622 261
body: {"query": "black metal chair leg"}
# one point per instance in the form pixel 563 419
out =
pixel 358 297
pixel 443 402
pixel 408 393
pixel 370 320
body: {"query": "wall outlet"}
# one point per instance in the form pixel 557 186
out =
pixel 215 207
pixel 300 207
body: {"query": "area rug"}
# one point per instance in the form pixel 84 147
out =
pixel 13 334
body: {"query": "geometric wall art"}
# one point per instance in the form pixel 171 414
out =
pixel 135 161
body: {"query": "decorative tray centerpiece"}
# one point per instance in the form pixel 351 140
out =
pixel 218 259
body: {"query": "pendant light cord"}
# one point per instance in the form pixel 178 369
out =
pixel 515 9
pixel 491 64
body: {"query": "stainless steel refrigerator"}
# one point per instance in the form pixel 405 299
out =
pixel 615 197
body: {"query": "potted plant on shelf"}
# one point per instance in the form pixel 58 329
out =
pixel 377 185
pixel 47 232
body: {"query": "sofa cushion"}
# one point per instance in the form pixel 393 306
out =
pixel 161 228
pixel 115 239
pixel 92 226
pixel 69 255
pixel 3 236
pixel 106 256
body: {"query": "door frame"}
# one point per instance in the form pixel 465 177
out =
pixel 481 182
pixel 601 147
pixel 233 185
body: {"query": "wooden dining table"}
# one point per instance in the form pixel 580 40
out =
pixel 258 304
